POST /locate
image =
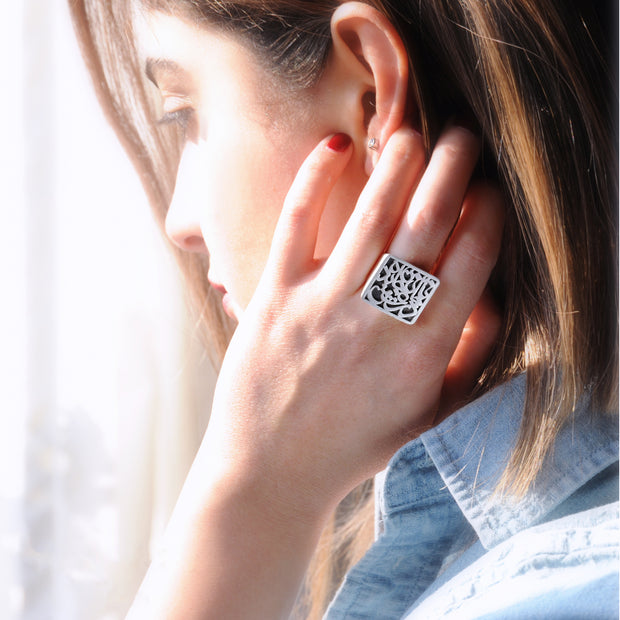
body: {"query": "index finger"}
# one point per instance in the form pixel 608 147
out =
pixel 294 240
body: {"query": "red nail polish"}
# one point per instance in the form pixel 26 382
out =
pixel 339 142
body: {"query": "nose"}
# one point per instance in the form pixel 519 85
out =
pixel 182 220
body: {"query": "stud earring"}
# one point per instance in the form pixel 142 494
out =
pixel 373 144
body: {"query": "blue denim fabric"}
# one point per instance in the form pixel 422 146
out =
pixel 449 546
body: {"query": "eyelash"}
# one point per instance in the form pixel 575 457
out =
pixel 182 118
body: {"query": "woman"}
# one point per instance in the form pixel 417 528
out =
pixel 472 140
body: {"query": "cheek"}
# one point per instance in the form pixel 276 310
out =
pixel 247 177
pixel 250 169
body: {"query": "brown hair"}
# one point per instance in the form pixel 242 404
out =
pixel 537 76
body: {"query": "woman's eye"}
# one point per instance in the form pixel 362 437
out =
pixel 182 118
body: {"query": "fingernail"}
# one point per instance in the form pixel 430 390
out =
pixel 339 142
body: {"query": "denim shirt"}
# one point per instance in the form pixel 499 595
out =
pixel 449 545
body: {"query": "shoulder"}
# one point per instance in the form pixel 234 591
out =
pixel 567 568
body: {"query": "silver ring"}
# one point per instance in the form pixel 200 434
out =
pixel 399 289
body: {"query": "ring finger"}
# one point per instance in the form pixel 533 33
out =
pixel 437 201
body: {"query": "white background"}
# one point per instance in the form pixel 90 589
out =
pixel 104 390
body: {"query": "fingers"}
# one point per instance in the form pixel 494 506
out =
pixel 471 355
pixel 388 218
pixel 378 210
pixel 431 226
pixel 468 259
pixel 436 204
pixel 294 240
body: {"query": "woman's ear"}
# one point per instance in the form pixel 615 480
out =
pixel 370 63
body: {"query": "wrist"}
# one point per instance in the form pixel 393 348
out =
pixel 283 482
pixel 233 526
pixel 267 501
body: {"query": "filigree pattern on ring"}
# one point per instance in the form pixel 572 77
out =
pixel 399 289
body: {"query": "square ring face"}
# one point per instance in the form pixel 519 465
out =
pixel 399 289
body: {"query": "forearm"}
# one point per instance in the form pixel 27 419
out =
pixel 230 551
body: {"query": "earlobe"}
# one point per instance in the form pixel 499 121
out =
pixel 369 50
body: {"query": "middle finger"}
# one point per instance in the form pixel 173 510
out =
pixel 437 201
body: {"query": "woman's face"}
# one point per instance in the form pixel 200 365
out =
pixel 245 140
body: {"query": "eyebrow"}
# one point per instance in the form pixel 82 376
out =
pixel 154 68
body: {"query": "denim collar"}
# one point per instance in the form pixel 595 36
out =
pixel 471 448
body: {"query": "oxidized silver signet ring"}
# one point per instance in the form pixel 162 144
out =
pixel 399 289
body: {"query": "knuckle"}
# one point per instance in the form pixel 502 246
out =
pixel 315 167
pixel 481 241
pixel 480 249
pixel 297 209
pixel 450 151
pixel 373 225
pixel 405 151
pixel 459 142
pixel 437 214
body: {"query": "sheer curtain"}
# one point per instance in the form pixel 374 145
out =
pixel 105 390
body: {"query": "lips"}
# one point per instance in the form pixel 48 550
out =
pixel 220 288
pixel 227 302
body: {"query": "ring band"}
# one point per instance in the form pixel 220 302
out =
pixel 399 289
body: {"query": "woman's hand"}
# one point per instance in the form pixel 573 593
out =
pixel 318 389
